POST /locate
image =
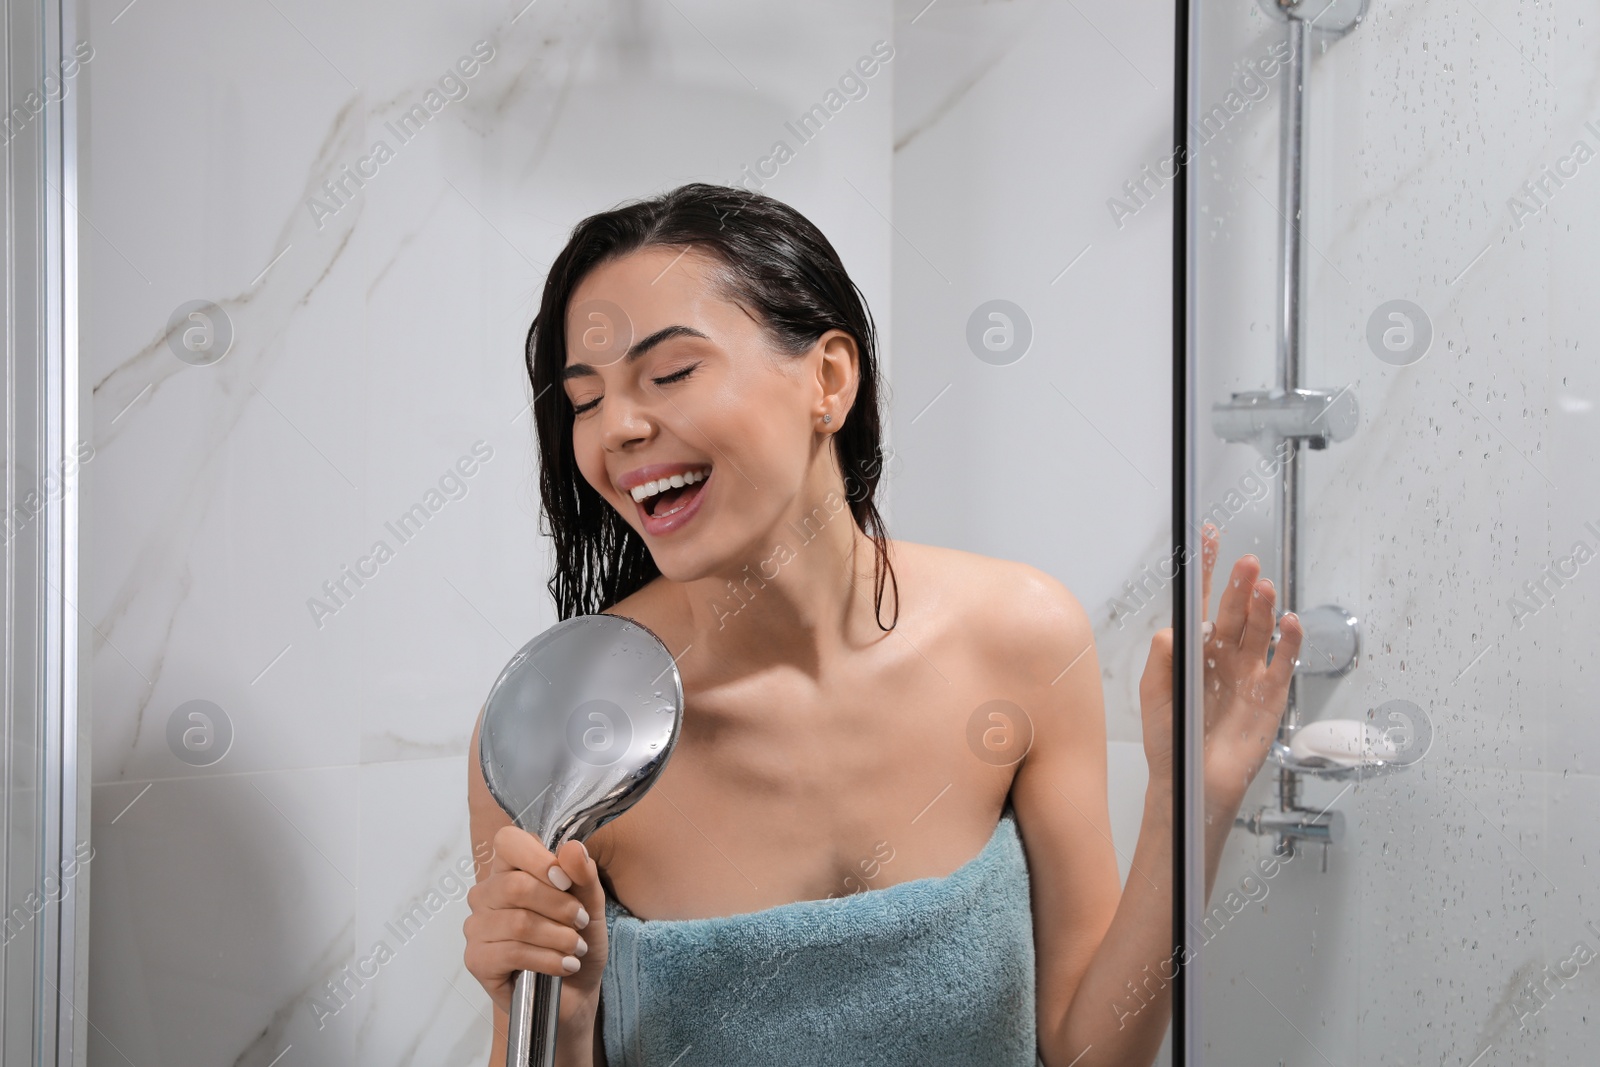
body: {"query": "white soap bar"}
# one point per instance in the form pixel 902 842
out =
pixel 1347 742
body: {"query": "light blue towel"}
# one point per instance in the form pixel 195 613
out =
pixel 932 972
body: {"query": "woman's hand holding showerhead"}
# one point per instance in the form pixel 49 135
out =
pixel 539 911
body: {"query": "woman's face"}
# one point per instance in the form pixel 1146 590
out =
pixel 667 378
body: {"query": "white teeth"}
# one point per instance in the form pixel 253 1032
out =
pixel 649 489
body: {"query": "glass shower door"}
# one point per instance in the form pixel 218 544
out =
pixel 1412 879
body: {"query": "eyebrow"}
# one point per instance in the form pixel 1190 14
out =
pixel 638 350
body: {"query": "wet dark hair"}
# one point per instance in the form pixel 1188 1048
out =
pixel 776 265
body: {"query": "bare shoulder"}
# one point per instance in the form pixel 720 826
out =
pixel 1013 610
pixel 660 607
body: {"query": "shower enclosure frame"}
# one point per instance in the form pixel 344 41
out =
pixel 43 760
pixel 1188 735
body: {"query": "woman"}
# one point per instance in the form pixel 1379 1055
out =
pixel 861 714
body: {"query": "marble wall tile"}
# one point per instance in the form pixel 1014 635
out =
pixel 220 901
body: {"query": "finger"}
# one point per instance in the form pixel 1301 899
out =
pixel 1208 562
pixel 495 965
pixel 1234 607
pixel 517 849
pixel 1258 627
pixel 1159 663
pixel 522 891
pixel 574 859
pixel 508 957
pixel 525 927
pixel 1155 685
pixel 1287 654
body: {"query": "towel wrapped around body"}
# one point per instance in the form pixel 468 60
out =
pixel 936 972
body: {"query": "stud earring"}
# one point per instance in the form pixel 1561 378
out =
pixel 827 418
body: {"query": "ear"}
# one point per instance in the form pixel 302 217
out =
pixel 838 374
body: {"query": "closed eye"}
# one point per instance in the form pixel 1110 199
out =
pixel 676 376
pixel 668 379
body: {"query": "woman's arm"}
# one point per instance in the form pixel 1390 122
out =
pixel 1104 957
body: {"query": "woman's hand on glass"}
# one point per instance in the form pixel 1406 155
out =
pixel 1245 695
pixel 537 912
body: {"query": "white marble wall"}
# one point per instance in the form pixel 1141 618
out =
pixel 1468 874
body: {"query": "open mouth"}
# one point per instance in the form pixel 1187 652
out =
pixel 668 496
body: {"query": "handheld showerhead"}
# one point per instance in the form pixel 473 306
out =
pixel 575 730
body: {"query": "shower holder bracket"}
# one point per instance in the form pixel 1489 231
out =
pixel 1329 18
pixel 1326 827
pixel 1295 825
pixel 1331 646
pixel 1265 419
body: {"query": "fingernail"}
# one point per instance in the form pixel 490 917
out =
pixel 583 916
pixel 559 879
pixel 583 947
pixel 570 963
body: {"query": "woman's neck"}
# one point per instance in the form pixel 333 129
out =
pixel 804 596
